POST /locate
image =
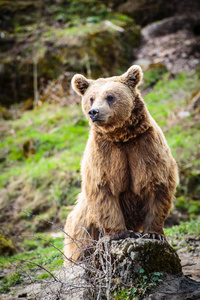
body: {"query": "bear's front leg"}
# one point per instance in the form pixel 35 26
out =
pixel 108 214
pixel 157 211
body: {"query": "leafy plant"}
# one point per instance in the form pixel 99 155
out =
pixel 139 288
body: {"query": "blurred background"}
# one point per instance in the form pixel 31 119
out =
pixel 42 130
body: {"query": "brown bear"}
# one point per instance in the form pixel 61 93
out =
pixel 128 173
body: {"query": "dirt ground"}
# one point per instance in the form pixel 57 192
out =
pixel 189 253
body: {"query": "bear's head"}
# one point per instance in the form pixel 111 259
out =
pixel 109 102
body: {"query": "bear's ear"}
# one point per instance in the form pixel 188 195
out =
pixel 80 84
pixel 133 76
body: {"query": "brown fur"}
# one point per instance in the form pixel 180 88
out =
pixel 128 173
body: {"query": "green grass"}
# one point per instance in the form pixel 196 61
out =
pixel 49 179
pixel 59 136
pixel 54 134
pixel 185 228
pixel 185 137
pixel 169 94
pixel 154 74
pixel 39 250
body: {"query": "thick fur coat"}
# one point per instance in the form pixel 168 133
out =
pixel 128 173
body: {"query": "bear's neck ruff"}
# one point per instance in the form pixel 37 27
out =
pixel 138 124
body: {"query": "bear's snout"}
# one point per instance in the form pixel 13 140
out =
pixel 93 113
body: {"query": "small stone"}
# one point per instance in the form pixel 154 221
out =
pixel 184 55
pixel 182 243
pixel 183 114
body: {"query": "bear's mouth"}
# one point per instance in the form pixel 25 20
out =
pixel 98 121
pixel 104 120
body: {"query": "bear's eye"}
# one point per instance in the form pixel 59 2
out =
pixel 91 100
pixel 110 98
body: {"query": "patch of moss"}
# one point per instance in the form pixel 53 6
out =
pixel 156 257
pixel 6 246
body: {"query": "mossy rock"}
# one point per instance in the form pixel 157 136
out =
pixel 6 246
pixel 131 255
pixel 158 256
pixel 96 50
pixel 111 50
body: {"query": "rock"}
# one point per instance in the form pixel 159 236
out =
pixel 145 12
pixel 182 243
pixel 176 288
pixel 112 262
pixel 170 25
pixel 131 255
pixel 183 114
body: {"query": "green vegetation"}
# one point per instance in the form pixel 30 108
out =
pixel 40 252
pixel 11 280
pixel 142 284
pixel 54 132
pixel 154 73
pixel 6 246
pixel 47 170
pixel 169 95
pixel 161 260
pixel 188 227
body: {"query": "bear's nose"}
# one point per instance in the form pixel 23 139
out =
pixel 93 113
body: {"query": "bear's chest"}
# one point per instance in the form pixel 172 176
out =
pixel 119 168
pixel 114 170
pixel 124 169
